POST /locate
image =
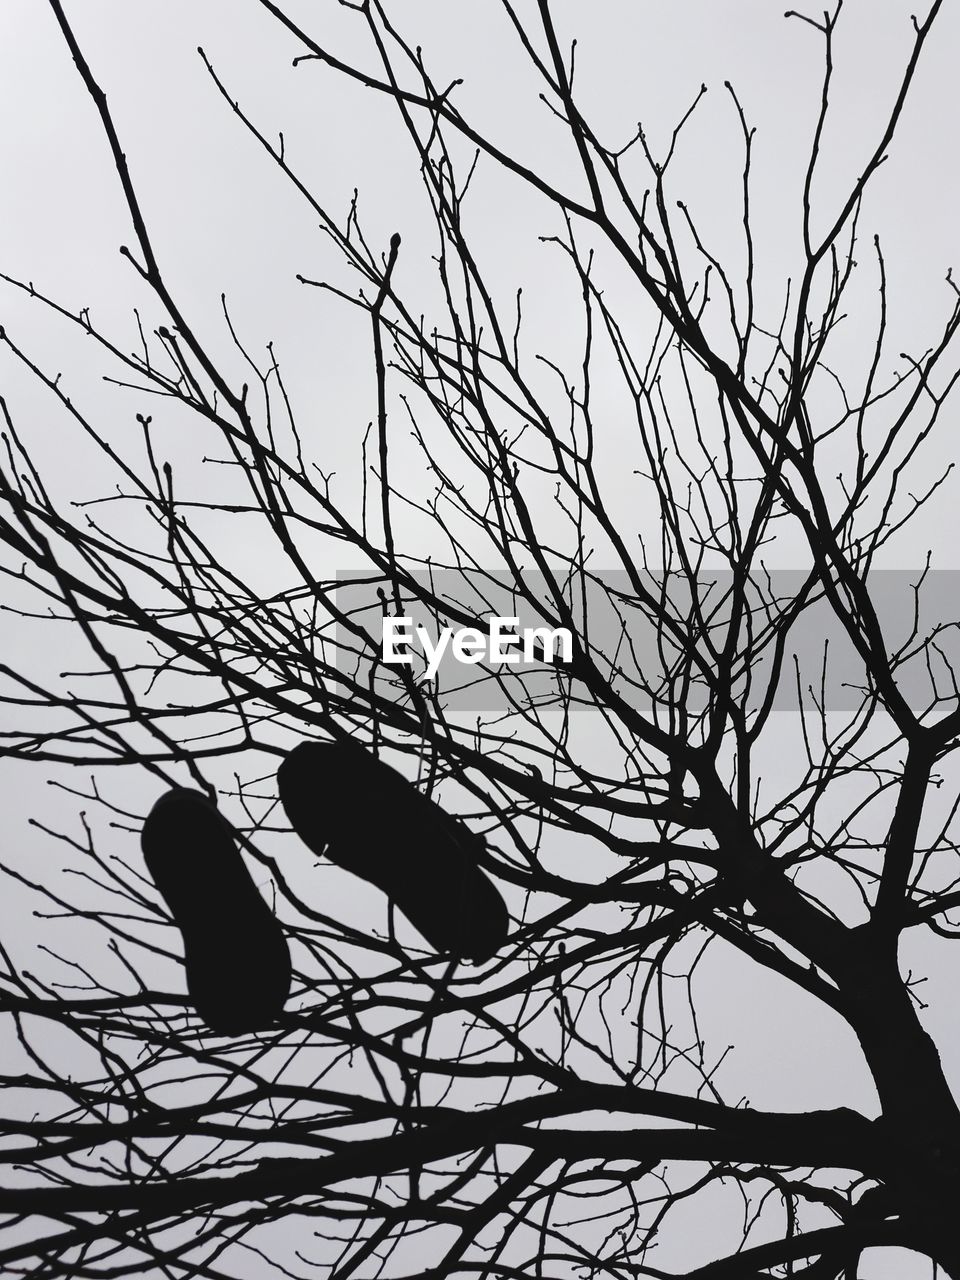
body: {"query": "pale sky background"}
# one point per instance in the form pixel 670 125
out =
pixel 222 219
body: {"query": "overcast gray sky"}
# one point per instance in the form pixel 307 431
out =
pixel 222 220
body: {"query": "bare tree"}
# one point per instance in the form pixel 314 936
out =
pixel 559 1109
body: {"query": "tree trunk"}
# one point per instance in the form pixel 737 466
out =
pixel 919 1125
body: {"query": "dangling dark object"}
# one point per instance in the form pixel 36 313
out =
pixel 236 957
pixel 368 819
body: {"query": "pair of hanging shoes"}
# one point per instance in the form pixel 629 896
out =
pixel 368 819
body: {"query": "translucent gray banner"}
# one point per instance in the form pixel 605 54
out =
pixel 657 639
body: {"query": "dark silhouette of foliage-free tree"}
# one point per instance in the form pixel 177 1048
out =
pixel 556 1108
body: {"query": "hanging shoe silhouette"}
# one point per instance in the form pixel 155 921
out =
pixel 236 957
pixel 367 818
